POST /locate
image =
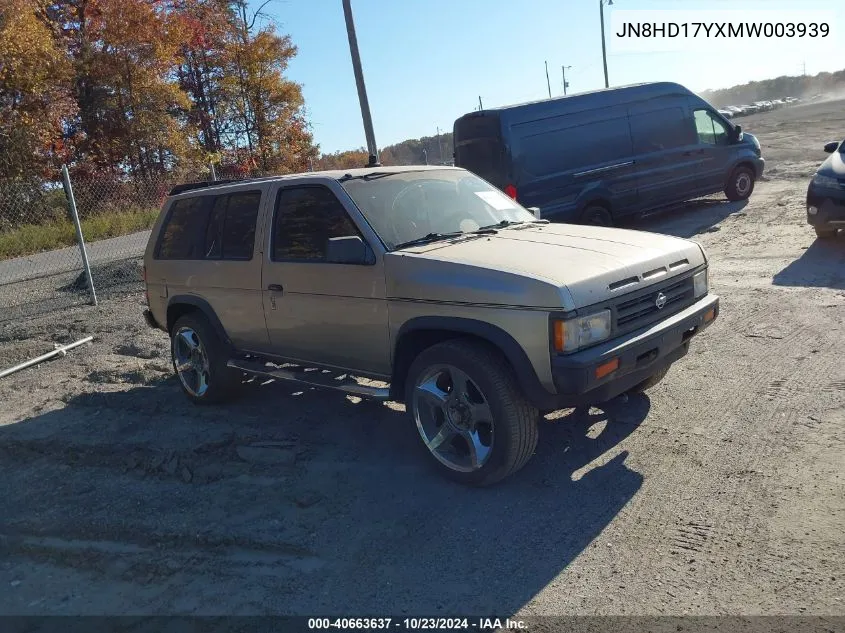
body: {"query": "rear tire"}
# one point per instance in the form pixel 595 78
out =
pixel 452 389
pixel 649 382
pixel 597 215
pixel 740 185
pixel 825 234
pixel 199 361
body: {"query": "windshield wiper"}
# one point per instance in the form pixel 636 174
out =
pixel 435 237
pixel 506 223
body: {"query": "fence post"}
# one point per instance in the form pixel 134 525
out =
pixel 213 172
pixel 71 202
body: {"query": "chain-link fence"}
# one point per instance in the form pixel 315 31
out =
pixel 41 262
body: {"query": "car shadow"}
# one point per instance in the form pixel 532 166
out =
pixel 688 219
pixel 359 501
pixel 822 265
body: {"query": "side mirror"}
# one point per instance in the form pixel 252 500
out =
pixel 831 147
pixel 738 132
pixel 535 211
pixel 348 250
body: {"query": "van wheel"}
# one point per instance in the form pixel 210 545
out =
pixel 199 360
pixel 740 184
pixel 825 234
pixel 474 421
pixel 597 215
pixel 649 382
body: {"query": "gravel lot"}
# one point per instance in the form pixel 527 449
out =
pixel 720 492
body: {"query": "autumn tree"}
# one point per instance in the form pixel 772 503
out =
pixel 35 97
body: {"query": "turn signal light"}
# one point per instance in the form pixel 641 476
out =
pixel 606 368
pixel 511 191
pixel 709 315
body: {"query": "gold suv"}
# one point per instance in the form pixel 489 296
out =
pixel 478 314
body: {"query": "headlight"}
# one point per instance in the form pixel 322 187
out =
pixel 700 283
pixel 825 181
pixel 579 332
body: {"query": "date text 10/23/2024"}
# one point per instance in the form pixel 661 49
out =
pixel 418 624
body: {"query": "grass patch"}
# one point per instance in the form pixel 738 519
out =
pixel 35 238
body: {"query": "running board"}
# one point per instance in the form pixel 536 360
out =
pixel 351 388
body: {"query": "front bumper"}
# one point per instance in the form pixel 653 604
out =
pixel 831 209
pixel 759 166
pixel 640 354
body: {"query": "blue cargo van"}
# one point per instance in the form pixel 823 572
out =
pixel 598 156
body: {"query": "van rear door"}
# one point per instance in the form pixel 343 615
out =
pixel 479 148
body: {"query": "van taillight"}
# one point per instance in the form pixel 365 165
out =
pixel 511 191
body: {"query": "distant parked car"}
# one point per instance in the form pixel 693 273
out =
pixel 826 193
pixel 750 109
pixel 728 114
pixel 737 111
pixel 595 157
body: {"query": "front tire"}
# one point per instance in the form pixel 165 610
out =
pixel 199 360
pixel 740 185
pixel 475 424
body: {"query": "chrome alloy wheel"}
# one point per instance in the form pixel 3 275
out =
pixel 453 418
pixel 190 361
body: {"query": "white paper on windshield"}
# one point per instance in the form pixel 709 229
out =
pixel 496 200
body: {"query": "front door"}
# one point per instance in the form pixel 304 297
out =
pixel 319 312
pixel 714 144
pixel 666 153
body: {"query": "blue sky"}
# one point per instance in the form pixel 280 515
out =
pixel 427 61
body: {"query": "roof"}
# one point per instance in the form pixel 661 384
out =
pixel 334 174
pixel 635 91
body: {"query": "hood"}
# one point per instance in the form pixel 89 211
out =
pixel 555 266
pixel 834 166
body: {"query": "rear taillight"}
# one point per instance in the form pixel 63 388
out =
pixel 511 191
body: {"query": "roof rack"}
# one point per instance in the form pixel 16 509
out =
pixel 190 186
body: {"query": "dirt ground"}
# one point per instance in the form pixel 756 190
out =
pixel 721 492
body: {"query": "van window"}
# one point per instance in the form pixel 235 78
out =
pixel 185 228
pixel 576 147
pixel 710 129
pixel 478 147
pixel 306 217
pixel 231 229
pixel 660 130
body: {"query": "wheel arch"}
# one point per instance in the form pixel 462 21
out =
pixel 421 333
pixel 180 305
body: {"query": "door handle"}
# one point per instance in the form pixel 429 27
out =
pixel 275 288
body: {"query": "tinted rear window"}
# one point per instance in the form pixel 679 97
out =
pixel 478 147
pixel 211 227
pixel 184 233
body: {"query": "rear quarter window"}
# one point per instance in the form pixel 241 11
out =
pixel 183 234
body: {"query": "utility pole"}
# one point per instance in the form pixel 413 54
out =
pixel 548 83
pixel 565 84
pixel 603 47
pixel 362 89
pixel 480 107
pixel 804 64
pixel 440 145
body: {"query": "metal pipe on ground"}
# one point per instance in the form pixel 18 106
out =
pixel 61 350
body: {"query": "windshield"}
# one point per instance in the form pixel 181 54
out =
pixel 410 205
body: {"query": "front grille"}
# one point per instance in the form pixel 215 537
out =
pixel 639 311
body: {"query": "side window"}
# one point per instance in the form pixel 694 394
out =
pixel 239 225
pixel 710 129
pixel 231 227
pixel 306 217
pixel 660 130
pixel 183 235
